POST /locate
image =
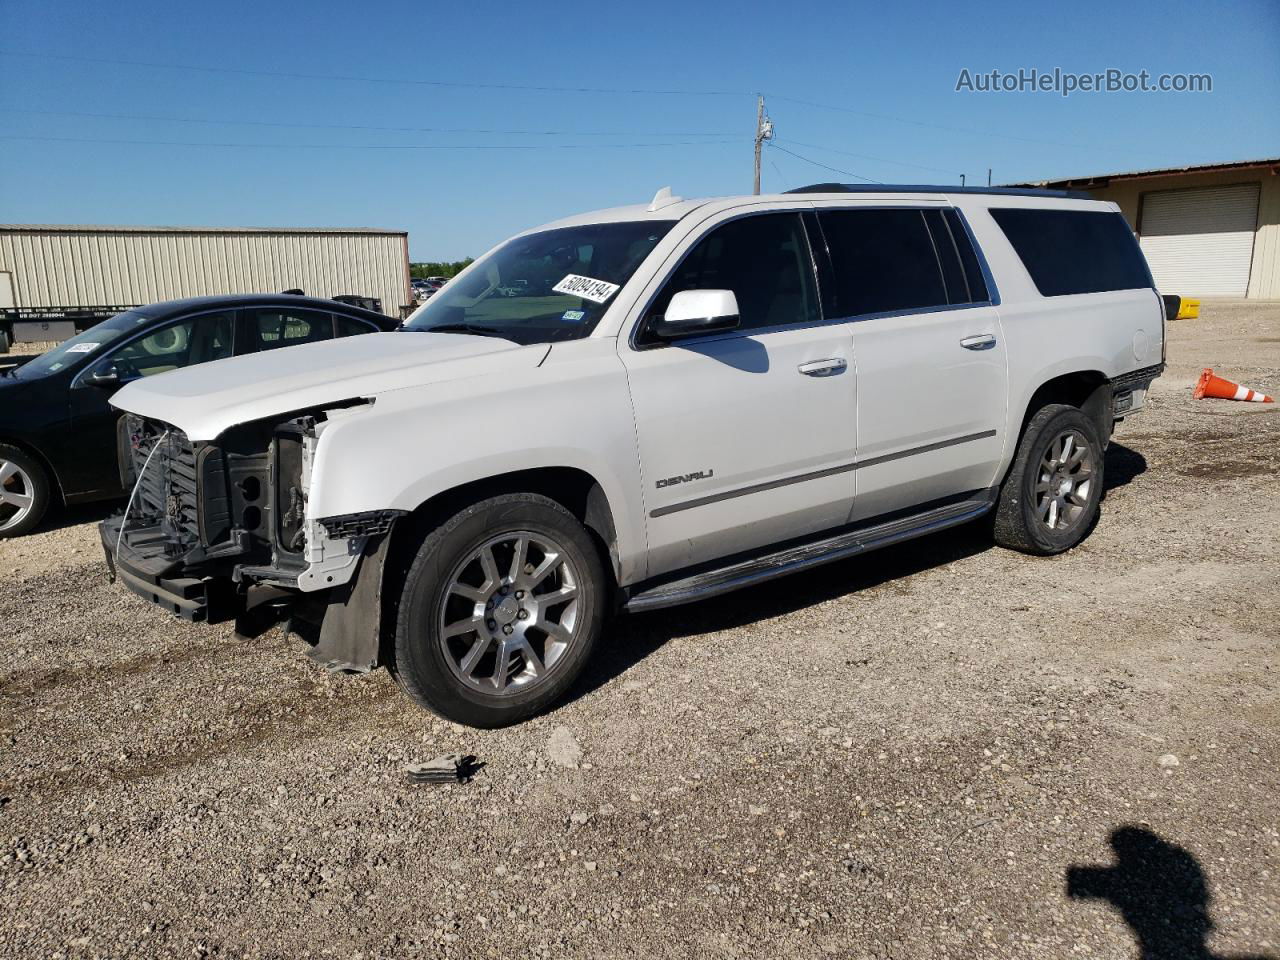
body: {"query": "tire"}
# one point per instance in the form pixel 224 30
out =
pixel 25 492
pixel 538 620
pixel 1046 505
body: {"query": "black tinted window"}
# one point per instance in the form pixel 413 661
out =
pixel 350 326
pixel 948 258
pixel 968 259
pixel 883 260
pixel 1075 251
pixel 764 260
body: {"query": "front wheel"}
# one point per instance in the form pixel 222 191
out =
pixel 1049 500
pixel 24 492
pixel 500 611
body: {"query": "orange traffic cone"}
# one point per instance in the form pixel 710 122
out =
pixel 1214 386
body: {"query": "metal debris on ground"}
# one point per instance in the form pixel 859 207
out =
pixel 449 768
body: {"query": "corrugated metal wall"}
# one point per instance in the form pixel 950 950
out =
pixel 87 266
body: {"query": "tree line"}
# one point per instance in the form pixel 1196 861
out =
pixel 438 268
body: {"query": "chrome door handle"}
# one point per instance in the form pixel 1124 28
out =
pixel 983 342
pixel 823 368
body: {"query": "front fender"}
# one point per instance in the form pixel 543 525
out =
pixel 411 445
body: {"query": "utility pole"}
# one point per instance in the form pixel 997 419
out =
pixel 988 176
pixel 764 131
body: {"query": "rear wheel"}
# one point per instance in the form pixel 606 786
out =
pixel 24 492
pixel 500 611
pixel 1050 498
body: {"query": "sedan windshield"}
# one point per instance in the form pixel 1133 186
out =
pixel 543 287
pixel 72 351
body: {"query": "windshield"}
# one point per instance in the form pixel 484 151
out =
pixel 72 351
pixel 544 287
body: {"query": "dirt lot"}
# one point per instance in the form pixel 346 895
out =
pixel 901 756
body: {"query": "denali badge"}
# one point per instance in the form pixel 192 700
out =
pixel 685 478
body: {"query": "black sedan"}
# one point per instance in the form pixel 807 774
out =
pixel 57 428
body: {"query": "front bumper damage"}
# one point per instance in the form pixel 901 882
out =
pixel 217 533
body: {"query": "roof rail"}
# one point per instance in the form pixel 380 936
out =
pixel 937 188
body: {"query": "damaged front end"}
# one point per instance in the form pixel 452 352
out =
pixel 218 531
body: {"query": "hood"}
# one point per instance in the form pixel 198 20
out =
pixel 205 400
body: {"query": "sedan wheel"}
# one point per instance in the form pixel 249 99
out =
pixel 24 492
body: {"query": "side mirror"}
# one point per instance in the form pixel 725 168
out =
pixel 103 377
pixel 694 312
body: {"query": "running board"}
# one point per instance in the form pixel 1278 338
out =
pixel 780 563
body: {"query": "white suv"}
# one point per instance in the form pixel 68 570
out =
pixel 683 399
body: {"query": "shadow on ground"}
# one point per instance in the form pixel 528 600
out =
pixel 1160 890
pixel 60 517
pixel 631 638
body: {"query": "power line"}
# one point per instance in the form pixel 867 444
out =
pixel 373 146
pixel 918 123
pixel 848 173
pixel 350 126
pixel 863 156
pixel 361 79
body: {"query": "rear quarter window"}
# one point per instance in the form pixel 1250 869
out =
pixel 1074 251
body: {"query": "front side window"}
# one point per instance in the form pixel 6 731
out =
pixel 181 344
pixel 276 327
pixel 764 260
pixel 87 343
pixel 543 287
pixel 886 260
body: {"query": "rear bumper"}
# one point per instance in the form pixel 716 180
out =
pixel 163 582
pixel 1129 390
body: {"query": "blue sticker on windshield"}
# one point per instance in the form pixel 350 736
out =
pixel 573 315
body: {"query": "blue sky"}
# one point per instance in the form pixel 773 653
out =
pixel 896 65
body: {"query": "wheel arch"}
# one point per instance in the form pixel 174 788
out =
pixel 1090 390
pixel 572 487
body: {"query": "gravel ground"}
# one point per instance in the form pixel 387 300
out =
pixel 940 750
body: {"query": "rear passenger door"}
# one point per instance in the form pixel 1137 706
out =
pixel 929 349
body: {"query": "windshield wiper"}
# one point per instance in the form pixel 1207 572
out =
pixel 476 328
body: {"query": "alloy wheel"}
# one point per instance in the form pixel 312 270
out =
pixel 17 495
pixel 509 613
pixel 1064 481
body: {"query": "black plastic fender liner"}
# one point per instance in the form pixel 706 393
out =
pixel 351 628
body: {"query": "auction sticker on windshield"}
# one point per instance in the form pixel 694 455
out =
pixel 597 291
pixel 82 348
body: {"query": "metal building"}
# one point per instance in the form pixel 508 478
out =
pixel 73 276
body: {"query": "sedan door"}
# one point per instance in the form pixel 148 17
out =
pixel 746 438
pixel 932 370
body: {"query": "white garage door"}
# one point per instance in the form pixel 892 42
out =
pixel 1199 243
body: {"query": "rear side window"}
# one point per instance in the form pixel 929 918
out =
pixel 274 328
pixel 883 260
pixel 973 275
pixel 350 326
pixel 900 259
pixel 1075 251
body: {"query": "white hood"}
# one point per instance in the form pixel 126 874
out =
pixel 206 399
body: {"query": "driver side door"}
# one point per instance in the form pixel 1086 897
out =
pixel 747 436
pixel 169 346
